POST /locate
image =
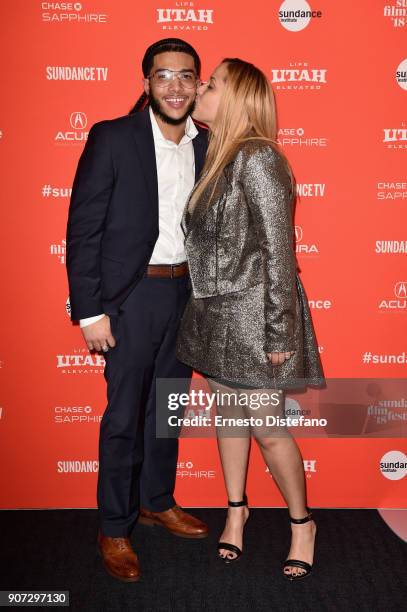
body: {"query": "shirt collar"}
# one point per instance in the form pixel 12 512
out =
pixel 190 130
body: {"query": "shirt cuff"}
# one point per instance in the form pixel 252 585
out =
pixel 90 320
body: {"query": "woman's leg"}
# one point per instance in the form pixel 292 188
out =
pixel 234 446
pixel 283 458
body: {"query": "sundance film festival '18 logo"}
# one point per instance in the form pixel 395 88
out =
pixel 77 134
pixel 59 250
pixel 396 11
pixel 295 15
pixel 69 12
pixel 298 76
pixel 399 301
pixel 184 16
pixel 386 411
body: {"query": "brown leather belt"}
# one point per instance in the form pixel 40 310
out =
pixel 167 270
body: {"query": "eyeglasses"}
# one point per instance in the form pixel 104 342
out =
pixel 164 76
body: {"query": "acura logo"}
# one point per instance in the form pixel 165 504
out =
pixel 78 121
pixel 298 233
pixel 400 289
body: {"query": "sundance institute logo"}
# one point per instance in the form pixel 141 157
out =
pixel 393 465
pixel 296 15
pixel 401 74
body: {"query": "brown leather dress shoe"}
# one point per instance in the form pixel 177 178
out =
pixel 119 558
pixel 177 521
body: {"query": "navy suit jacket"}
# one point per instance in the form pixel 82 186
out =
pixel 113 214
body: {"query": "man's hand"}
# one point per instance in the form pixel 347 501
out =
pixel 279 358
pixel 98 335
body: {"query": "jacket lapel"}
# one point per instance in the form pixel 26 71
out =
pixel 200 146
pixel 190 221
pixel 144 140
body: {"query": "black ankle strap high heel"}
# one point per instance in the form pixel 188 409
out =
pixel 227 545
pixel 297 562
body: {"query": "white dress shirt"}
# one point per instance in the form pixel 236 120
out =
pixel 176 179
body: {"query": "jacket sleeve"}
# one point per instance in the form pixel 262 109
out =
pixel 91 192
pixel 267 188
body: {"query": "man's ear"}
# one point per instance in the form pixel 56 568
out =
pixel 146 85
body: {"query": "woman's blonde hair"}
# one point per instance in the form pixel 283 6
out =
pixel 246 111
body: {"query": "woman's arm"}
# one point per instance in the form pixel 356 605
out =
pixel 267 188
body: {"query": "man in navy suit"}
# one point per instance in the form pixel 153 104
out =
pixel 129 284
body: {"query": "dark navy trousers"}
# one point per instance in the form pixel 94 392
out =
pixel 135 467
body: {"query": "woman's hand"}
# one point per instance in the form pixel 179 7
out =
pixel 279 358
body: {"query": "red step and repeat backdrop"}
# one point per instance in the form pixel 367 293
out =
pixel 340 78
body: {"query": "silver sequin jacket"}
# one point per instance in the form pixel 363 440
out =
pixel 245 237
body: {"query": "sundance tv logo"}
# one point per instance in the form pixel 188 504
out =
pixel 69 12
pixel 77 134
pixel 184 16
pixel 76 73
pixel 296 15
pixel 399 301
pixel 298 76
pixel 68 467
pixel 311 190
pixel 391 247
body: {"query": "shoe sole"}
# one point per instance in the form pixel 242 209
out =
pixel 152 523
pixel 117 576
pixel 227 561
pixel 298 577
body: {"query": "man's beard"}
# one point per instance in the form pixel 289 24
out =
pixel 157 110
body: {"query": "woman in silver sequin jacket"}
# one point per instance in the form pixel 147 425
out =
pixel 247 326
